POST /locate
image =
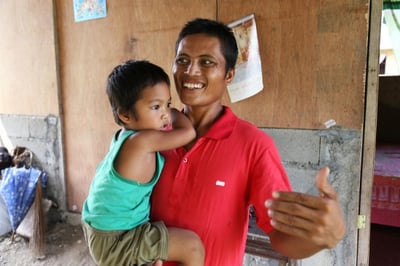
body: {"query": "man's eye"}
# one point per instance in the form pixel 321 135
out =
pixel 181 61
pixel 207 62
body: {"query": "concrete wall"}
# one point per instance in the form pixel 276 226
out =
pixel 304 152
pixel 42 135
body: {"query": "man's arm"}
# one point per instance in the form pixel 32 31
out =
pixel 305 224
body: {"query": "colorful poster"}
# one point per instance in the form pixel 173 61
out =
pixel 248 78
pixel 89 9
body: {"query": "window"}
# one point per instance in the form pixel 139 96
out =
pixel 389 59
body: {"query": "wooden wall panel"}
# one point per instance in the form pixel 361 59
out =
pixel 28 77
pixel 88 52
pixel 314 57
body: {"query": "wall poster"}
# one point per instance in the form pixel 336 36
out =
pixel 89 9
pixel 248 78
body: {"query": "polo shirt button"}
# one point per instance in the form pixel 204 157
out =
pixel 185 160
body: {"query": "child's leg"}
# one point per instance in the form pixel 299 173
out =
pixel 185 246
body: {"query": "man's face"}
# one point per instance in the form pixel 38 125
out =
pixel 199 70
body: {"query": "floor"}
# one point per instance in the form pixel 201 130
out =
pixel 64 246
pixel 384 246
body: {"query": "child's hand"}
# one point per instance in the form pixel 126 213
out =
pixel 157 263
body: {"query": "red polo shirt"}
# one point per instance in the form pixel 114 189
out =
pixel 209 188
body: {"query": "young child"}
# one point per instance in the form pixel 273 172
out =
pixel 116 212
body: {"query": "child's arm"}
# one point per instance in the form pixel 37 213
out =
pixel 138 150
pixel 157 140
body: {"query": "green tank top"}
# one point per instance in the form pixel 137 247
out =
pixel 116 203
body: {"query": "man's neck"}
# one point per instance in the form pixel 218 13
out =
pixel 203 117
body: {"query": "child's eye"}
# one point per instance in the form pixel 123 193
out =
pixel 155 107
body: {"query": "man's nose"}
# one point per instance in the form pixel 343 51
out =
pixel 193 68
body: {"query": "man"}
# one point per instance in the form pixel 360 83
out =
pixel 209 185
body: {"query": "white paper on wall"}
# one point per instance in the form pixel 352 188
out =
pixel 248 78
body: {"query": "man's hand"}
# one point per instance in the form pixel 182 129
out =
pixel 317 222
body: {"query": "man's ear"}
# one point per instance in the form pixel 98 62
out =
pixel 230 75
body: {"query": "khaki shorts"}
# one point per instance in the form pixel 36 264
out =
pixel 141 245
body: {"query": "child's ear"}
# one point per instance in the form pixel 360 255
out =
pixel 124 116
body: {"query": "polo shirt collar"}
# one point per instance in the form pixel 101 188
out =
pixel 223 127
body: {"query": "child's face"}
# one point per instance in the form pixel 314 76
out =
pixel 153 109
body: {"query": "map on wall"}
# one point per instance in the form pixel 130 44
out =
pixel 89 9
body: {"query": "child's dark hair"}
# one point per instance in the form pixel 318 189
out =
pixel 214 29
pixel 127 81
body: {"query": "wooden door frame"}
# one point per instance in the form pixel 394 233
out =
pixel 369 131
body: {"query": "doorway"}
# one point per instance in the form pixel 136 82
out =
pixel 385 204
